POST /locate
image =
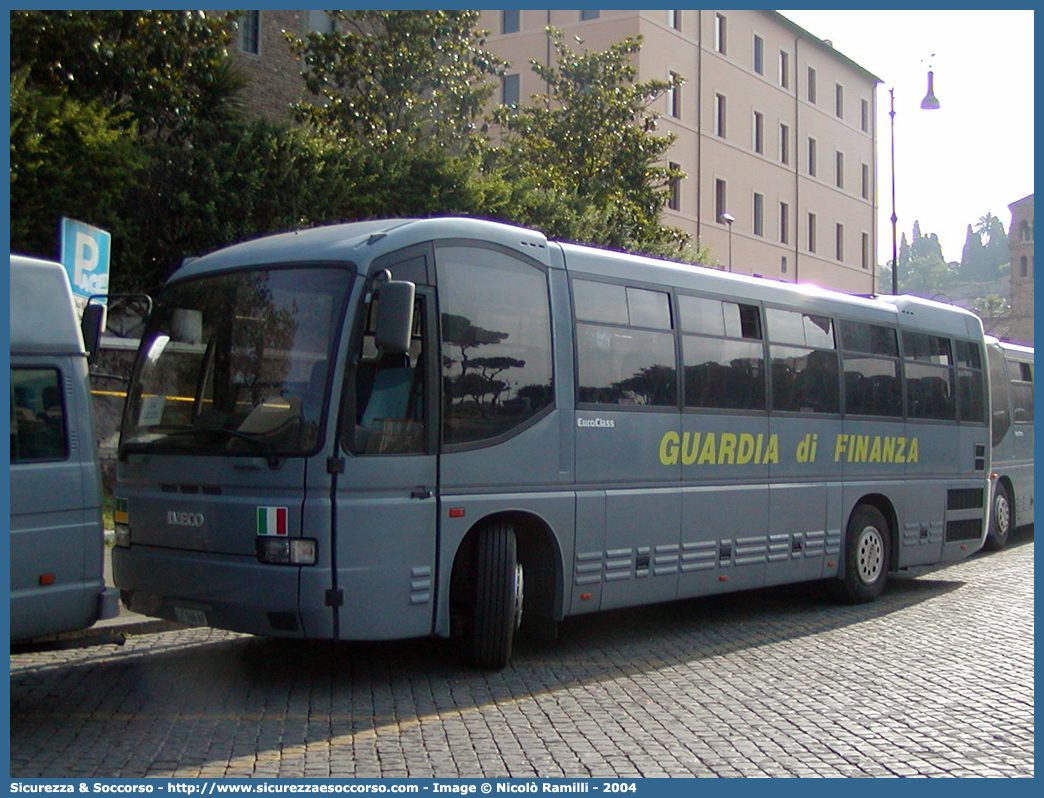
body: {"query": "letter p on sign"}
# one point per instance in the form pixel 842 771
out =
pixel 85 255
pixel 85 258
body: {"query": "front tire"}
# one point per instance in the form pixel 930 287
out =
pixel 1000 519
pixel 499 586
pixel 867 542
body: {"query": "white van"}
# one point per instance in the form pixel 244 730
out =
pixel 57 538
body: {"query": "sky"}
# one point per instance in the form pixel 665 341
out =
pixel 972 156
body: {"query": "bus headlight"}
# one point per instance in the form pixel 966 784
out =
pixel 123 536
pixel 286 551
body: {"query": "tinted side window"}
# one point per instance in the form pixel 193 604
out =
pixel 390 392
pixel 723 355
pixel 971 383
pixel 929 377
pixel 873 386
pixel 1000 423
pixel 1021 392
pixel 628 358
pixel 38 430
pixel 804 367
pixel 496 342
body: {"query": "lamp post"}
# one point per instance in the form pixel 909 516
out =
pixel 728 218
pixel 929 103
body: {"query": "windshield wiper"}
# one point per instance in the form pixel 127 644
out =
pixel 269 450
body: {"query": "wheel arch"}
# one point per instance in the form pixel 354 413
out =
pixel 539 553
pixel 1005 480
pixel 887 508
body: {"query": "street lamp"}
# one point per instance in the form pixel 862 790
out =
pixel 728 218
pixel 929 103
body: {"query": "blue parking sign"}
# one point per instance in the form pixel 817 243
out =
pixel 85 255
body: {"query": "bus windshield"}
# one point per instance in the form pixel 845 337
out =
pixel 237 364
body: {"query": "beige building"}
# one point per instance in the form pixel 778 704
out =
pixel 261 53
pixel 1020 244
pixel 774 127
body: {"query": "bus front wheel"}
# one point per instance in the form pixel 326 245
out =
pixel 499 592
pixel 866 556
pixel 1000 519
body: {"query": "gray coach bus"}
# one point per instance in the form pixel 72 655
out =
pixel 1011 401
pixel 394 429
pixel 57 540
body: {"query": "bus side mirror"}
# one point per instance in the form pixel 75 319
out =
pixel 91 325
pixel 394 316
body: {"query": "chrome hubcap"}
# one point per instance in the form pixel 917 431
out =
pixel 1002 514
pixel 870 554
pixel 519 593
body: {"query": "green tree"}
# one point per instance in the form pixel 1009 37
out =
pixel 68 158
pixel 994 312
pixel 922 269
pixel 583 160
pixel 973 260
pixel 996 245
pixel 398 79
pixel 985 250
pixel 165 69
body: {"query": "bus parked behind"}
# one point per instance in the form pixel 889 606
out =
pixel 1011 400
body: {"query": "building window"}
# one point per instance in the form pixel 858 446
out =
pixel 784 143
pixel 812 157
pixel 720 39
pixel 839 241
pixel 759 132
pixel 811 232
pixel 864 181
pixel 586 14
pixel 1023 266
pixel 864 251
pixel 784 69
pixel 250 32
pixel 674 95
pixel 839 101
pixel 719 201
pixel 510 20
pixel 783 264
pixel 839 169
pixel 719 115
pixel 320 22
pixel 784 223
pixel 674 188
pixel 759 55
pixel 812 85
pixel 864 116
pixel 509 90
pixel 674 19
pixel 759 215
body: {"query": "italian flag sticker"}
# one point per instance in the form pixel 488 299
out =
pixel 271 521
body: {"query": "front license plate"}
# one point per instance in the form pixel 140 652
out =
pixel 190 617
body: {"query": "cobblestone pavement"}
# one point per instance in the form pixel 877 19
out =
pixel 934 679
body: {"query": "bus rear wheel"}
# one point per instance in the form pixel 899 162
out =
pixel 499 593
pixel 866 556
pixel 1000 519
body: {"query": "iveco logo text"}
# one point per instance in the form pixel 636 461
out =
pixel 175 518
pixel 602 423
